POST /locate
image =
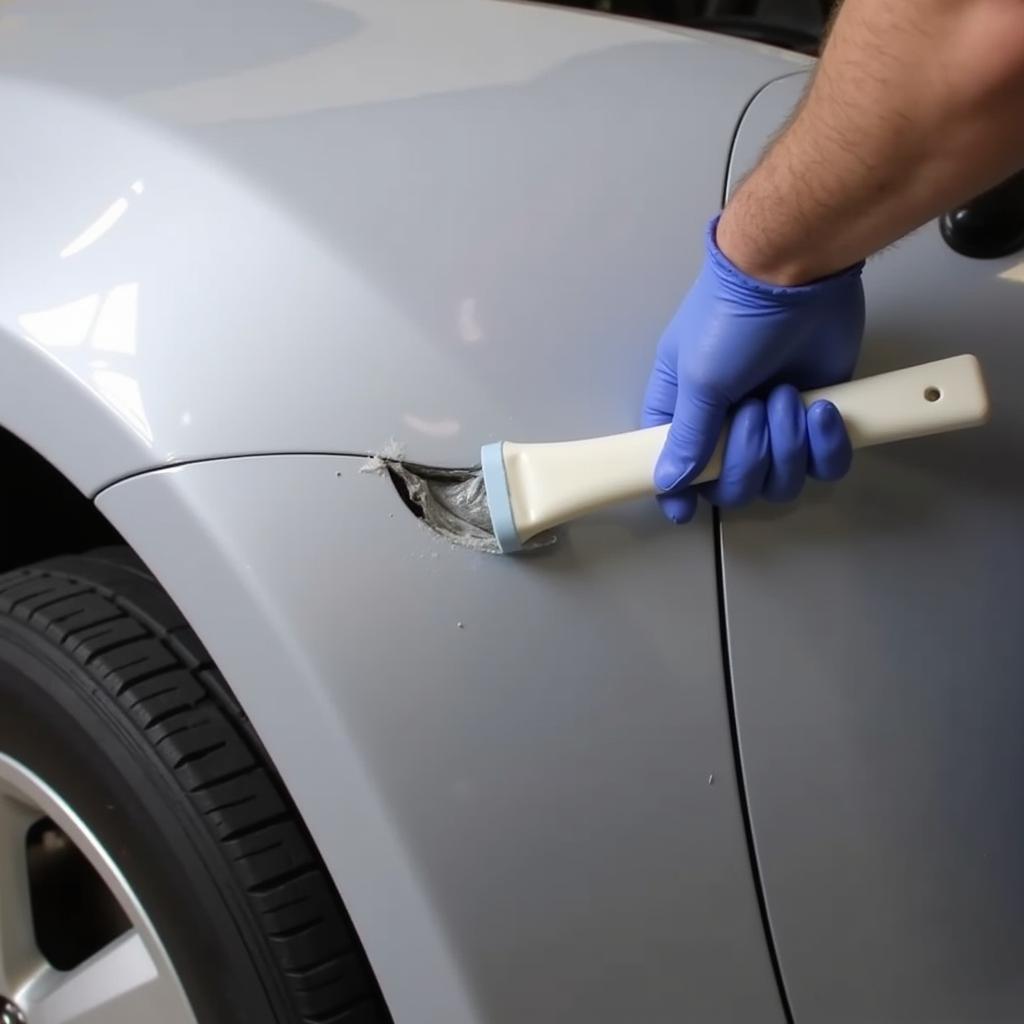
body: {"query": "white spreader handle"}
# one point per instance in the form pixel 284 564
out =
pixel 550 484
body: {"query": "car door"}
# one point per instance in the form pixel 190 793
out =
pixel 876 658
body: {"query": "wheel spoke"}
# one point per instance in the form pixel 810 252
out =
pixel 119 985
pixel 20 959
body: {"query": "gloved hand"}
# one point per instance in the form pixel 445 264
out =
pixel 744 346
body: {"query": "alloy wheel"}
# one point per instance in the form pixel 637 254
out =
pixel 76 946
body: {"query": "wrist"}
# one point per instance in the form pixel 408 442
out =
pixel 765 287
pixel 759 257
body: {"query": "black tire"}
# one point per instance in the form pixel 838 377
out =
pixel 108 695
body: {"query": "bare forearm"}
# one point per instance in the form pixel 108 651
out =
pixel 916 106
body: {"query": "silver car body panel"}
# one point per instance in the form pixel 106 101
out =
pixel 315 226
pixel 520 771
pixel 875 639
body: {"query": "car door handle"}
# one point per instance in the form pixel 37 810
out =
pixel 991 225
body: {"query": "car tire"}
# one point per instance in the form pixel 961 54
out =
pixel 109 698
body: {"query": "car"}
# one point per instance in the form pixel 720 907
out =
pixel 273 751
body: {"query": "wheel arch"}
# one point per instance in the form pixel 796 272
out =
pixel 47 515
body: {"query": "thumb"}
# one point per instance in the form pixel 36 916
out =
pixel 696 423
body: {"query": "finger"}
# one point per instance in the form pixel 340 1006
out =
pixel 828 441
pixel 787 438
pixel 696 423
pixel 659 396
pixel 680 508
pixel 746 458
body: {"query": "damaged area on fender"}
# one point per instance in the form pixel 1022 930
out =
pixel 450 502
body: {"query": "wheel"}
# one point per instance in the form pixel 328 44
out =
pixel 152 867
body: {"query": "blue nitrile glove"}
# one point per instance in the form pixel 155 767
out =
pixel 740 345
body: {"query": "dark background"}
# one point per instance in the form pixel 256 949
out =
pixel 796 24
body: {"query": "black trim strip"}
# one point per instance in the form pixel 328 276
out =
pixel 730 696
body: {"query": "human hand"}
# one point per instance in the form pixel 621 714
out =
pixel 740 345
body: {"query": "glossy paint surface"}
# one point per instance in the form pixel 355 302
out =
pixel 314 225
pixel 519 770
pixel 875 634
